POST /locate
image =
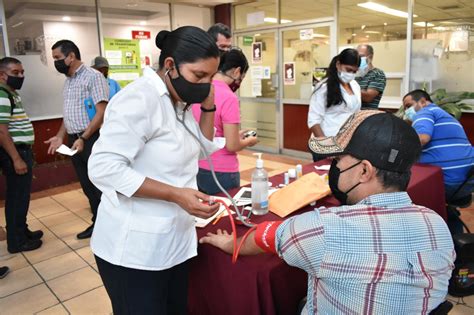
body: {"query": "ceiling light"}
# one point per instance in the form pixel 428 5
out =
pixel 384 9
pixel 354 34
pixel 367 36
pixel 17 24
pixel 258 34
pixel 66 18
pixel 132 3
pixel 142 23
pixel 440 28
pixel 362 27
pixel 423 24
pixel 319 35
pixel 385 24
pixel 372 32
pixel 274 20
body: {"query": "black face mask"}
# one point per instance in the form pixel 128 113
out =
pixel 189 92
pixel 15 82
pixel 334 173
pixel 61 66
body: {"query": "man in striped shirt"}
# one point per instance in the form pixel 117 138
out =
pixel 372 80
pixel 377 253
pixel 443 139
pixel 16 157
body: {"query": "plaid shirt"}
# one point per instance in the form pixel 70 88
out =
pixel 383 255
pixel 85 83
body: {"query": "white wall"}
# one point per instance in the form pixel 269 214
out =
pixel 191 15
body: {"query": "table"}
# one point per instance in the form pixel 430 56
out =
pixel 265 284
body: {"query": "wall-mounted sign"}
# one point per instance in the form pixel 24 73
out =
pixel 141 35
pixel 124 59
pixel 257 52
pixel 247 40
pixel 289 75
pixel 306 34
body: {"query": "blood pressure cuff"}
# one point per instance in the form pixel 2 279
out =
pixel 265 235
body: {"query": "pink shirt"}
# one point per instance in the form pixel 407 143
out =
pixel 227 112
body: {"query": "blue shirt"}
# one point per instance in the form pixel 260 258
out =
pixel 114 87
pixel 383 255
pixel 449 146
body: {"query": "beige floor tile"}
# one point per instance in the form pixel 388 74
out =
pixel 14 261
pixel 76 203
pixel 19 280
pixel 244 182
pixel 57 309
pixel 65 198
pixel 94 302
pixel 50 209
pixel 60 265
pixel 84 213
pixel 462 310
pixel 28 301
pixel 42 203
pixel 75 283
pixel 74 243
pixel 3 249
pixel 58 218
pixel 87 254
pixel 50 249
pixel 95 267
pixel 69 228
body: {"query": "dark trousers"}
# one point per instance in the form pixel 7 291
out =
pixel 17 199
pixel 79 160
pixel 207 185
pixel 134 291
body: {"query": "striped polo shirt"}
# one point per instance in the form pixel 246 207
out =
pixel 449 146
pixel 374 79
pixel 19 125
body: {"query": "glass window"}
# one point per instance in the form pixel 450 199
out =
pixel 2 47
pixel 33 28
pixel 300 10
pixel 255 13
pixel 443 47
pixel 384 27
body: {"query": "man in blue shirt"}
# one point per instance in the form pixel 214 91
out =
pixel 443 138
pixel 102 65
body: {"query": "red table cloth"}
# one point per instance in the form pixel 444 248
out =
pixel 265 284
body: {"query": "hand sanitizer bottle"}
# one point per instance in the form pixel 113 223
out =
pixel 259 188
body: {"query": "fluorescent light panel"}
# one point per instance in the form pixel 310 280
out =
pixel 274 20
pixel 422 24
pixel 384 9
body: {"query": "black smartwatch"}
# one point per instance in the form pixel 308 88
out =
pixel 208 110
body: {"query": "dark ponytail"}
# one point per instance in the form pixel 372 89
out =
pixel 348 56
pixel 186 44
pixel 234 58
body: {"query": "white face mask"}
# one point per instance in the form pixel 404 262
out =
pixel 346 77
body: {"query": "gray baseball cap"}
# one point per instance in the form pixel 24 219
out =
pixel 100 62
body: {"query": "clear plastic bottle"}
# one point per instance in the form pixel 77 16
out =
pixel 259 188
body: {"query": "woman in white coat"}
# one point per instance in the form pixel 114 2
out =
pixel 145 163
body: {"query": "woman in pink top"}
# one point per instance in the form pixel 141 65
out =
pixel 226 81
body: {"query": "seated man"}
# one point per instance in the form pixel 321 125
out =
pixel 443 139
pixel 380 253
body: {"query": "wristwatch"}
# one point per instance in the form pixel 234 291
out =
pixel 208 110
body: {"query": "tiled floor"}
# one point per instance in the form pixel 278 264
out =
pixel 61 277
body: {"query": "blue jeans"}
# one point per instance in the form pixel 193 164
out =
pixel 207 185
pixel 17 200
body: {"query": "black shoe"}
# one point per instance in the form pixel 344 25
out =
pixel 34 235
pixel 27 246
pixel 4 271
pixel 87 233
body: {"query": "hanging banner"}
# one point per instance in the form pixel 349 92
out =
pixel 124 59
pixel 289 75
pixel 257 52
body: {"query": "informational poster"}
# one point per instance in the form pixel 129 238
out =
pixel 257 52
pixel 124 59
pixel 289 69
pixel 267 73
pixel 256 88
pixel 306 34
pixel 256 72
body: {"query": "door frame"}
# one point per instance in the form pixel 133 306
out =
pixel 278 32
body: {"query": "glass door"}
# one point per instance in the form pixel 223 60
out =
pixel 258 92
pixel 306 52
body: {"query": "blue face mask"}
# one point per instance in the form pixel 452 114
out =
pixel 410 113
pixel 363 63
